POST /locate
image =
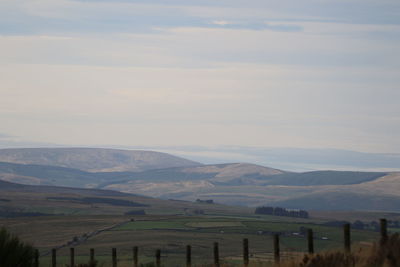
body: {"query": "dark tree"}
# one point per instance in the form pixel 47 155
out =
pixel 14 252
pixel 278 211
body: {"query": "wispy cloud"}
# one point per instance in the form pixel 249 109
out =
pixel 65 16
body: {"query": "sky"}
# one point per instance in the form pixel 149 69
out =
pixel 305 74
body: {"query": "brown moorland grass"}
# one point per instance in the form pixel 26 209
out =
pixel 385 253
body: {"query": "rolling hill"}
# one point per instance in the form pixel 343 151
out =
pixel 250 185
pixel 323 178
pixel 231 183
pixel 32 174
pixel 46 175
pixel 94 159
pixel 36 200
pixel 23 188
pixel 61 176
pixel 218 173
pixel 339 200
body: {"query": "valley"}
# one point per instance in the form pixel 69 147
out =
pixel 62 207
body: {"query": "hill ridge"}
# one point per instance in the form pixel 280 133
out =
pixel 94 159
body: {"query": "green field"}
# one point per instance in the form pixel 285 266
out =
pixel 168 225
pixel 171 234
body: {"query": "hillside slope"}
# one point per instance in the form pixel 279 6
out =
pixel 339 200
pixel 7 187
pixel 95 159
pixel 252 185
pixel 31 200
pixel 378 194
pixel 324 178
pixel 46 175
pixel 233 184
pixel 52 175
pixel 199 176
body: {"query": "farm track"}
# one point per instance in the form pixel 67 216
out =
pixel 82 239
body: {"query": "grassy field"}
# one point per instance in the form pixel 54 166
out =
pixel 169 225
pixel 352 216
pixel 171 234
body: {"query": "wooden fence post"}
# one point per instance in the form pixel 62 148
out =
pixel 54 257
pixel 36 263
pixel 135 256
pixel 384 235
pixel 158 258
pixel 245 252
pixel 216 254
pixel 347 241
pixel 92 255
pixel 188 256
pixel 72 257
pixel 276 249
pixel 114 257
pixel 310 238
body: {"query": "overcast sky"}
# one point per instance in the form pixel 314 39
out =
pixel 312 74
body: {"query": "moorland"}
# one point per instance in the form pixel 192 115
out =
pixel 72 205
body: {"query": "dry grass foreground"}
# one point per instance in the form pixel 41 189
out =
pixel 385 253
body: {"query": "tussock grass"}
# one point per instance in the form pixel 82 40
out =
pixel 385 253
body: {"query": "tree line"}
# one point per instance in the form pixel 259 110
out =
pixel 278 211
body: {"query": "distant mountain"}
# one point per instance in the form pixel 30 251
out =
pixel 52 175
pixel 230 183
pixel 323 178
pixel 31 174
pixel 4 185
pixel 242 174
pixel 215 173
pixel 95 159
pixel 230 171
pixel 377 194
pixel 292 159
pixel 338 200
pixel 22 188
pixel 254 185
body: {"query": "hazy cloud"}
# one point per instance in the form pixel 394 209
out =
pixel 259 73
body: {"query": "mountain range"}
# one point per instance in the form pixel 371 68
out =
pixel 165 176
